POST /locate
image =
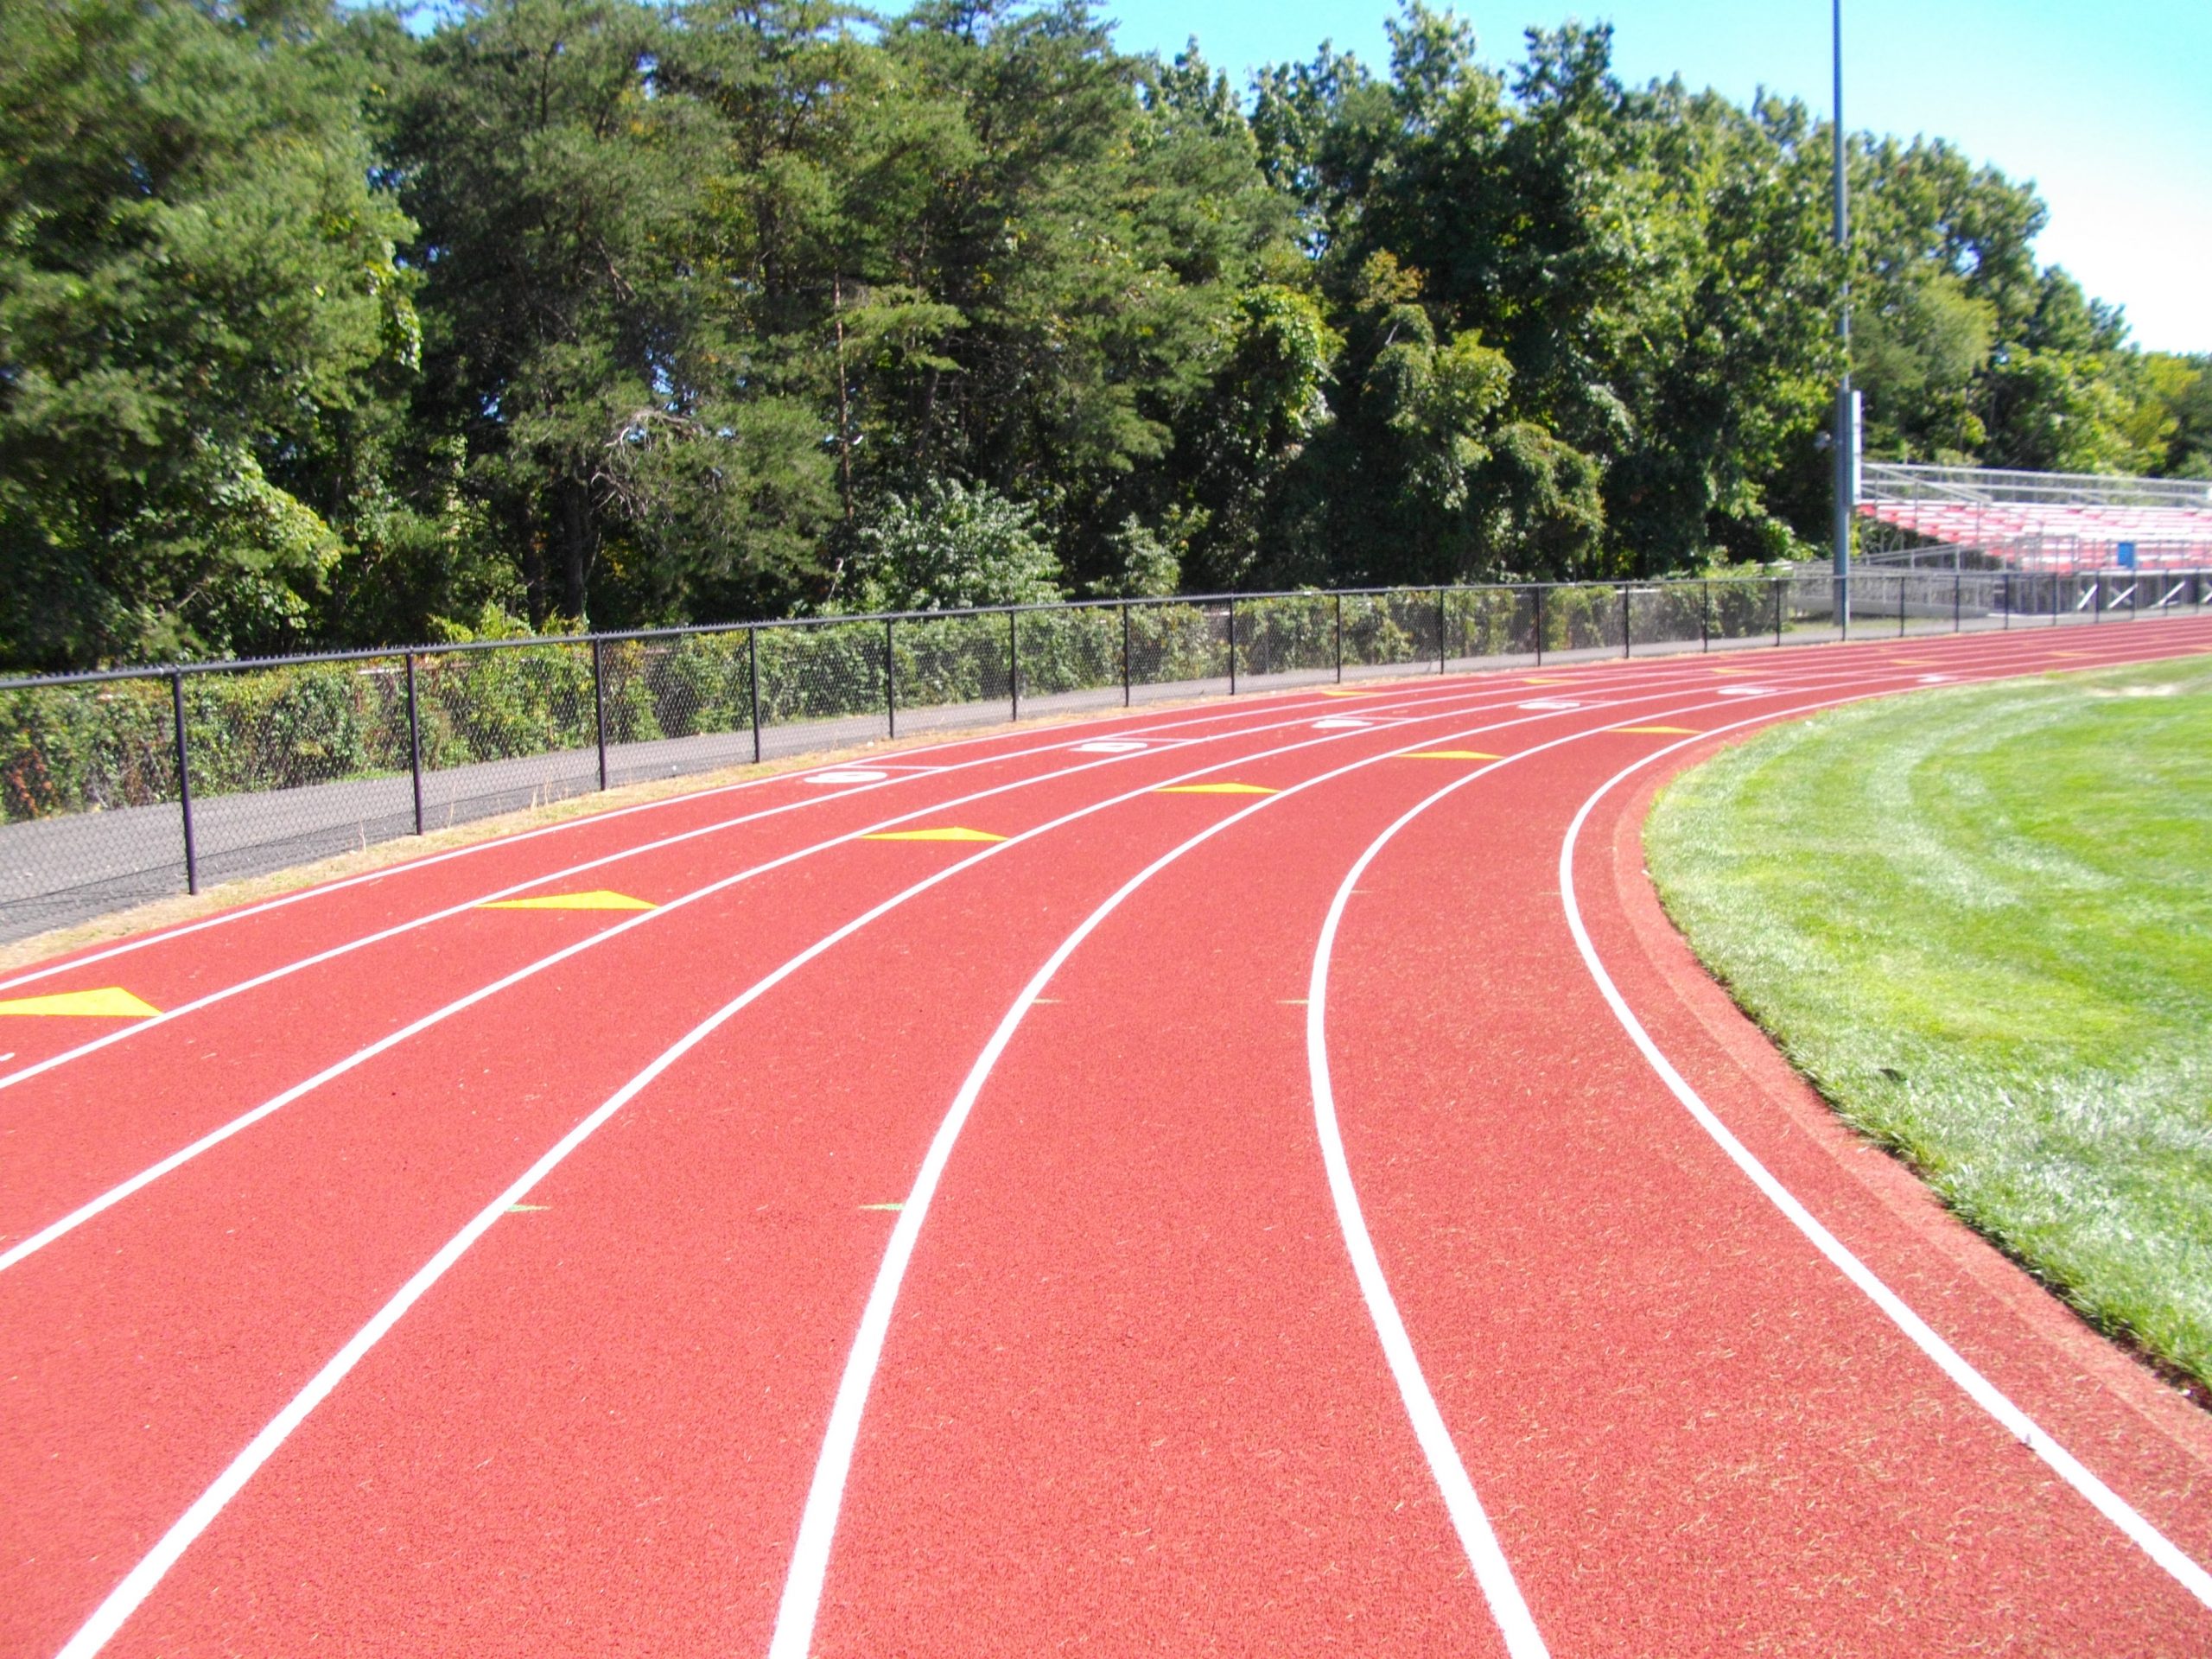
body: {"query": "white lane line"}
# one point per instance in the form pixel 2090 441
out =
pixel 1955 1365
pixel 225 917
pixel 1493 1573
pixel 145 1178
pixel 868 781
pixel 802 1597
pixel 875 780
pixel 140 1581
pixel 143 1579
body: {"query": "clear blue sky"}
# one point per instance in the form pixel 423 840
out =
pixel 2106 106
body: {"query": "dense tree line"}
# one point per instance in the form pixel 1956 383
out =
pixel 315 330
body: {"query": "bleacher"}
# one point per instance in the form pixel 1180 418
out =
pixel 2034 521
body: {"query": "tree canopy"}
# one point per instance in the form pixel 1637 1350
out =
pixel 318 330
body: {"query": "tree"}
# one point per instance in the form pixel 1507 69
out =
pixel 317 329
pixel 952 547
pixel 200 311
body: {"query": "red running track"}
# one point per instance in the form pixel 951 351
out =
pixel 1334 1216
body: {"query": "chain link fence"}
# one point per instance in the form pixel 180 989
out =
pixel 123 787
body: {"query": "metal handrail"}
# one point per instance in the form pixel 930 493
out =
pixel 1882 481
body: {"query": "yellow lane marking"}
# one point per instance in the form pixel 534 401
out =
pixel 525 1209
pixel 1346 691
pixel 893 1207
pixel 1214 788
pixel 2073 653
pixel 1659 731
pixel 1545 679
pixel 1447 755
pixel 949 832
pixel 108 1002
pixel 597 899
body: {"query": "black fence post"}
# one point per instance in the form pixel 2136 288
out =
pixel 415 741
pixel 1900 604
pixel 2097 597
pixel 1842 608
pixel 184 781
pixel 1341 638
pixel 1778 583
pixel 1440 630
pixel 1958 585
pixel 1539 625
pixel 1232 645
pixel 1705 618
pixel 599 704
pixel 890 679
pixel 1013 664
pixel 1126 680
pixel 1626 629
pixel 752 673
pixel 2006 579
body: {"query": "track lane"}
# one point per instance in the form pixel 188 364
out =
pixel 1729 1455
pixel 79 1132
pixel 379 1167
pixel 1128 1403
pixel 2149 1439
pixel 1008 1501
pixel 1526 717
pixel 2015 1341
pixel 509 1304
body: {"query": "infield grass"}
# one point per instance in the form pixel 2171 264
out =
pixel 1979 920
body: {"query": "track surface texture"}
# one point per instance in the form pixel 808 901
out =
pixel 1257 1179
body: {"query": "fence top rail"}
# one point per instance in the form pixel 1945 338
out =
pixel 401 653
pixel 1810 570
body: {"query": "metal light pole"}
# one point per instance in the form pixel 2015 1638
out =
pixel 1845 434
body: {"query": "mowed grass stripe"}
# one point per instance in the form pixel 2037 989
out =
pixel 1979 919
